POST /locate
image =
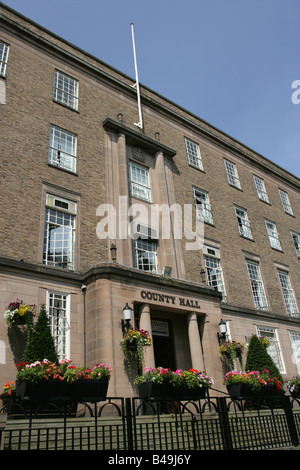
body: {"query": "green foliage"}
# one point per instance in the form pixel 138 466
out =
pixel 259 359
pixel 40 344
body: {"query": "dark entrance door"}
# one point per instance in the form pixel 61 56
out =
pixel 164 350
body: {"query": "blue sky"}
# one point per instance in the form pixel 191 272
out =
pixel 230 62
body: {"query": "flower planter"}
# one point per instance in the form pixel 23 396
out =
pixel 46 390
pixel 240 391
pixel 85 390
pixel 166 391
pixel 243 391
pixel 295 394
pixel 89 390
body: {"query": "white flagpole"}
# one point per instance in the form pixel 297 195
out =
pixel 140 123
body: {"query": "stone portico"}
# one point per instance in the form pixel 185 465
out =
pixel 182 319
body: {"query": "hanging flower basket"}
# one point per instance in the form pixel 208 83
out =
pixel 265 341
pixel 18 318
pixel 165 384
pixel 133 345
pixel 232 350
pixel 18 313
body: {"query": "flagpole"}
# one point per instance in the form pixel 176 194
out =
pixel 140 123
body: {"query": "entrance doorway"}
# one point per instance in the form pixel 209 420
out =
pixel 163 344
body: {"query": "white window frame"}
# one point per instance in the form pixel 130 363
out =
pixel 285 202
pixel 59 232
pixel 4 51
pixel 145 247
pixel 288 293
pixel 65 90
pixel 62 149
pixel 243 222
pixel 261 189
pixel 274 350
pixel 257 286
pixel 145 254
pixel 193 154
pixel 203 208
pixel 296 241
pixel 213 268
pixel 58 309
pixel 232 174
pixel 139 181
pixel 295 341
pixel 273 235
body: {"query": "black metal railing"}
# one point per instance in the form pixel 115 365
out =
pixel 214 423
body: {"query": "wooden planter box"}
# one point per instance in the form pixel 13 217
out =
pixel 166 391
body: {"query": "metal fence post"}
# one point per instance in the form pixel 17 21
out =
pixel 129 430
pixel 290 420
pixel 224 423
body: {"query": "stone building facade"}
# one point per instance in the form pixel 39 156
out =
pixel 177 219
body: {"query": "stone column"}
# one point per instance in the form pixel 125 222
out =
pixel 145 324
pixel 195 342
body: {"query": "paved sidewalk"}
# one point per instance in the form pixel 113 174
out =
pixel 287 448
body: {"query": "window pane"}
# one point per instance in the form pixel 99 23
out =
pixel 288 294
pixel 58 322
pixel 243 223
pixel 65 90
pixel 261 190
pixel 285 201
pixel 232 174
pixel 215 275
pixel 258 290
pixel 139 179
pixel 3 57
pixel 273 235
pixel 295 340
pixel 145 255
pixel 274 348
pixel 296 240
pixel 59 239
pixel 62 149
pixel 193 154
pixel 203 208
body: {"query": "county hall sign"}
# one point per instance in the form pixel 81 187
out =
pixel 169 299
